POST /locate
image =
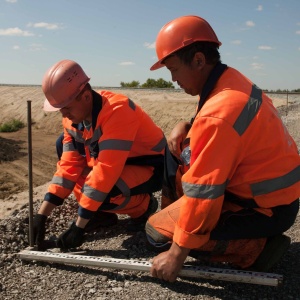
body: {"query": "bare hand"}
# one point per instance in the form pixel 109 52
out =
pixel 168 264
pixel 177 136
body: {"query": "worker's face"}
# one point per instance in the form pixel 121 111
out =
pixel 188 77
pixel 79 109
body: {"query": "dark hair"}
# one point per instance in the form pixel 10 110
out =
pixel 209 49
pixel 87 87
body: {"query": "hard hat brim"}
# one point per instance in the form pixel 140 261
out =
pixel 157 65
pixel 49 107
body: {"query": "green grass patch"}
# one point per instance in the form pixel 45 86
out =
pixel 13 125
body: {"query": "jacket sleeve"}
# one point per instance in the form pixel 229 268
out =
pixel 68 170
pixel 214 157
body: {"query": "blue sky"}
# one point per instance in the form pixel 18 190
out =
pixel 114 40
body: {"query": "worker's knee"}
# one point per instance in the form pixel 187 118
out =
pixel 156 240
pixel 156 236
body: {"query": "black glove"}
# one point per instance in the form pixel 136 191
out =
pixel 71 238
pixel 39 229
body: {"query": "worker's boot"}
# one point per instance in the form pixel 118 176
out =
pixel 240 253
pixel 101 219
pixel 273 251
pixel 138 224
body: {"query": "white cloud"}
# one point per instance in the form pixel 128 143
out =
pixel 36 47
pixel 11 1
pixel 298 32
pixel 15 32
pixel 257 66
pixel 259 8
pixel 250 24
pixel 149 46
pixel 16 47
pixel 127 63
pixel 49 26
pixel 264 47
pixel 236 42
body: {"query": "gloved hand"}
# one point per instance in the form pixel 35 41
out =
pixel 71 238
pixel 39 229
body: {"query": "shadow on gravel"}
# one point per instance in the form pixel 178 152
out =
pixel 289 267
pixel 109 232
pixel 188 287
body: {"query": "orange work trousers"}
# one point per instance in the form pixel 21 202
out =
pixel 241 253
pixel 133 206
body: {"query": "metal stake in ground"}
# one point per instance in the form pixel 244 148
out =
pixel 31 241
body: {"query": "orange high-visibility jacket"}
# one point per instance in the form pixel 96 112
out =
pixel 121 131
pixel 238 143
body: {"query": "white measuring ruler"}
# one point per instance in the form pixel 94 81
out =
pixel 136 265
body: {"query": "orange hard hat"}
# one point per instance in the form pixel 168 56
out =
pixel 62 83
pixel 180 33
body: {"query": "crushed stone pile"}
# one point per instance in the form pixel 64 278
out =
pixel 41 280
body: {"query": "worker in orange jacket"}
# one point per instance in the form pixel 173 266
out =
pixel 110 156
pixel 240 167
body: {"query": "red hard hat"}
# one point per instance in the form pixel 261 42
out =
pixel 180 33
pixel 62 83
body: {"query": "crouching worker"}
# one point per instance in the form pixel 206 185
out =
pixel 111 157
pixel 241 168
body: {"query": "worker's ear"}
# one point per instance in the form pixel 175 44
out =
pixel 199 60
pixel 87 96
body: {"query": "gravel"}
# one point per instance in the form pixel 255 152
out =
pixel 22 279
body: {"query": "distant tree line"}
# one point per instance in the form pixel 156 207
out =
pixel 163 84
pixel 283 91
pixel 150 83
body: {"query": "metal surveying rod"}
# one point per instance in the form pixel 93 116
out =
pixel 136 265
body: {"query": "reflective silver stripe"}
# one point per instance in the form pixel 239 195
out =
pixel 131 104
pixel 96 136
pixel 203 191
pixel 122 205
pixel 160 146
pixel 249 111
pixel 93 193
pixel 115 145
pixel 76 135
pixel 68 184
pixel 100 196
pixel 275 184
pixel 68 147
pixel 124 188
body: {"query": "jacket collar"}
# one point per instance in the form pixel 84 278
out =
pixel 97 106
pixel 210 84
